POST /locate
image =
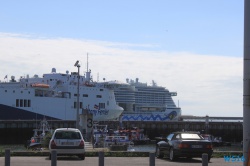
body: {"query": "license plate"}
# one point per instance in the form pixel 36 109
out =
pixel 196 146
pixel 67 143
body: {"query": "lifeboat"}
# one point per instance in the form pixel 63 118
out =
pixel 39 85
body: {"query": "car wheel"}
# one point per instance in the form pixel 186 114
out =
pixel 158 153
pixel 171 154
pixel 82 156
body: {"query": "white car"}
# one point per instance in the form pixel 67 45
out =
pixel 67 141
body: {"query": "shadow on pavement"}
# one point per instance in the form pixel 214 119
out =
pixel 184 160
pixel 66 158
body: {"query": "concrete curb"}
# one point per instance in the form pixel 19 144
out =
pixel 110 153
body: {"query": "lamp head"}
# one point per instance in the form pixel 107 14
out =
pixel 76 64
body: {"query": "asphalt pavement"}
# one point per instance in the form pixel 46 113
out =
pixel 113 161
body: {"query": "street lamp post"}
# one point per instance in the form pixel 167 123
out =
pixel 246 85
pixel 77 102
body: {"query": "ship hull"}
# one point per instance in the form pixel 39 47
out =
pixel 11 113
pixel 166 116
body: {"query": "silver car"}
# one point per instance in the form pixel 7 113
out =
pixel 67 141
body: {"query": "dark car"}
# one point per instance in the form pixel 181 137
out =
pixel 184 144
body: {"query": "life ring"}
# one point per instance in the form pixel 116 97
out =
pixel 33 140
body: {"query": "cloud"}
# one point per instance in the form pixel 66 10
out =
pixel 206 84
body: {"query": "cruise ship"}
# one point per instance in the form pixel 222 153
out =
pixel 54 96
pixel 142 102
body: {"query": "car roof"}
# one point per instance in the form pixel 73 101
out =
pixel 67 129
pixel 186 132
pixel 206 134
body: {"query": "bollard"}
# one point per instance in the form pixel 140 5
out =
pixel 151 159
pixel 7 157
pixel 204 159
pixel 53 158
pixel 101 158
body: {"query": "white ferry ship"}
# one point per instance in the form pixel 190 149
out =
pixel 54 96
pixel 142 102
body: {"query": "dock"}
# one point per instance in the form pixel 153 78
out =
pixel 19 131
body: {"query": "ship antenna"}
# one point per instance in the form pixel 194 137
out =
pixel 87 62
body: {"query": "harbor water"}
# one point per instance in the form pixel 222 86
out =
pixel 142 148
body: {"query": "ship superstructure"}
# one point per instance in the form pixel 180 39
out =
pixel 54 95
pixel 142 102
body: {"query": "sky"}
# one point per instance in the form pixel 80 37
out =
pixel 194 48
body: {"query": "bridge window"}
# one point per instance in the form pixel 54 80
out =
pixel 21 102
pixel 25 103
pixel 80 105
pixel 17 103
pixel 28 103
pixel 98 96
pixel 101 105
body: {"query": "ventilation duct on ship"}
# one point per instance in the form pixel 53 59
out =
pixel 53 70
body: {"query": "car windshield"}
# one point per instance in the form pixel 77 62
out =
pixel 207 137
pixel 190 136
pixel 67 135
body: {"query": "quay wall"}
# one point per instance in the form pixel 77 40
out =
pixel 19 131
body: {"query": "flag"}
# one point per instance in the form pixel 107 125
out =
pixel 96 106
pixel 5 76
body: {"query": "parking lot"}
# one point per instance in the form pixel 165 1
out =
pixel 112 161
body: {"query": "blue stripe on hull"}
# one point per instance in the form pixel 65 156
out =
pixel 156 117
pixel 11 113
